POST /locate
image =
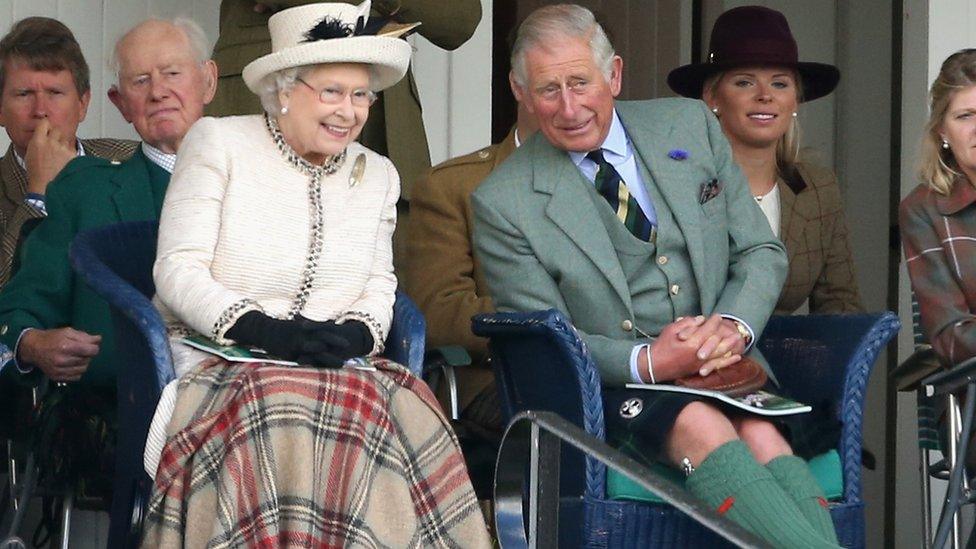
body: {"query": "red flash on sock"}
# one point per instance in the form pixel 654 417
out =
pixel 726 505
pixel 823 503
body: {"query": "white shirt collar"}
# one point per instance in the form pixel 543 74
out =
pixel 615 143
pixel 164 160
pixel 23 164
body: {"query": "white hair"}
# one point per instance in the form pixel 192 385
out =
pixel 199 44
pixel 555 22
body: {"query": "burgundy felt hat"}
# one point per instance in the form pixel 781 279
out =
pixel 753 35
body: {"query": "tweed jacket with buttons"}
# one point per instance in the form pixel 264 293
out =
pixel 814 231
pixel 14 213
pixel 939 238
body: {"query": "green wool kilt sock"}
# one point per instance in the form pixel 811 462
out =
pixel 733 483
pixel 795 478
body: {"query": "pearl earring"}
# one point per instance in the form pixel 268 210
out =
pixel 284 110
pixel 945 144
pixel 715 111
pixel 794 114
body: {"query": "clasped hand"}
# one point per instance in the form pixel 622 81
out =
pixel 696 345
pixel 309 342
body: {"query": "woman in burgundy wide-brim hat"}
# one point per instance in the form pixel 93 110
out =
pixel 753 81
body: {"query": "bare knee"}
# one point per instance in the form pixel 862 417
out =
pixel 699 429
pixel 763 439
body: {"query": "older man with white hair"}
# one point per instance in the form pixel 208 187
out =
pixel 57 327
pixel 633 219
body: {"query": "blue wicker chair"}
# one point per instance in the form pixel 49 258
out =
pixel 116 261
pixel 542 364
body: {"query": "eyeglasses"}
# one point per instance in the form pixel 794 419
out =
pixel 333 95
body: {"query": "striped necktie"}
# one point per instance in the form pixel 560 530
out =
pixel 612 187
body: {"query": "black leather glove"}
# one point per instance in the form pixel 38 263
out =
pixel 321 344
pixel 300 339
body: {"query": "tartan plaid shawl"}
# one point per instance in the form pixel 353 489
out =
pixel 268 456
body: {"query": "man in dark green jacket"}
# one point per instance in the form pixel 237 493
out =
pixel 56 326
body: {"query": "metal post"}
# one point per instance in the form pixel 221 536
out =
pixel 924 464
pixel 68 504
pixel 543 489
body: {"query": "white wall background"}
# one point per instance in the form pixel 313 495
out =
pixel 452 84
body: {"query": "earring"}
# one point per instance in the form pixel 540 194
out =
pixel 794 114
pixel 945 144
pixel 284 110
pixel 715 111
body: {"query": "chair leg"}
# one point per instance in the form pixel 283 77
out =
pixel 22 495
pixel 67 507
pixel 452 388
pixel 956 494
pixel 923 460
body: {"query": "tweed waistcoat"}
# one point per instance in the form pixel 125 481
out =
pixel 653 269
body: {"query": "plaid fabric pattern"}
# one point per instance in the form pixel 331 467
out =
pixel 260 455
pixel 612 187
pixel 14 213
pixel 814 230
pixel 939 239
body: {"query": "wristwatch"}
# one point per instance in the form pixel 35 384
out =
pixel 743 331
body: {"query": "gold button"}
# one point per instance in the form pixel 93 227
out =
pixel 675 289
pixel 3 329
pixel 662 260
pixel 483 153
pixel 627 325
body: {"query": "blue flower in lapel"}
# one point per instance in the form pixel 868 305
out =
pixel 677 154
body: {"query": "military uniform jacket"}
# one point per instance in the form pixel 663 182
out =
pixel 14 212
pixel 939 236
pixel 814 231
pixel 543 244
pixel 45 293
pixel 397 131
pixel 442 273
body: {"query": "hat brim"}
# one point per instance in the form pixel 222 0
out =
pixel 388 56
pixel 819 79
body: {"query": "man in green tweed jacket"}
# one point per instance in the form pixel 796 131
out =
pixel 633 219
pixel 44 94
pixel 57 326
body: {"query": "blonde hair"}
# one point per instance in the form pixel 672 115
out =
pixel 788 146
pixel 937 166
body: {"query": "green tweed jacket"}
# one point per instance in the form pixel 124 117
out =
pixel 542 243
pixel 14 213
pixel 45 293
pixel 397 131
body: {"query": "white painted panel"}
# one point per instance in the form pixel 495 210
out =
pixel 26 8
pixel 455 92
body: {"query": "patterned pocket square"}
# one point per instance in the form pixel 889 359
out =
pixel 709 190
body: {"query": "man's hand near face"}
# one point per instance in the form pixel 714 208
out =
pixel 47 153
pixel 63 354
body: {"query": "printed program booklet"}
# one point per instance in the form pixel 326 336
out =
pixel 759 402
pixel 236 353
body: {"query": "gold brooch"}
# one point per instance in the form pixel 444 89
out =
pixel 358 169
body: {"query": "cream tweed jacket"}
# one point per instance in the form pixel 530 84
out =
pixel 237 233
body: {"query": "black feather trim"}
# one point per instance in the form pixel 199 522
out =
pixel 328 28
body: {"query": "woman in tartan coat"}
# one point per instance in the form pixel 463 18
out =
pixel 276 233
pixel 938 218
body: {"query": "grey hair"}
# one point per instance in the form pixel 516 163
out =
pixel 199 43
pixel 284 80
pixel 555 22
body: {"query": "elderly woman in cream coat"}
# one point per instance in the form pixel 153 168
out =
pixel 276 233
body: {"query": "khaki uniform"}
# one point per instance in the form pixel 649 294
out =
pixel 441 272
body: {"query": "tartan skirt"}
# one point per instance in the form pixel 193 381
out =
pixel 271 456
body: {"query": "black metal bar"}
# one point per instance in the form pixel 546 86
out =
pixel 952 380
pixel 510 472
pixel 544 489
pixel 954 494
